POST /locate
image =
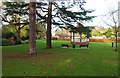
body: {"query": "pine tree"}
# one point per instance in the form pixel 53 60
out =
pixel 65 16
pixel 69 18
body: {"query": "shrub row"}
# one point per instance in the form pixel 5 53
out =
pixel 67 39
pixel 56 38
pixel 5 42
pixel 91 39
pixel 102 40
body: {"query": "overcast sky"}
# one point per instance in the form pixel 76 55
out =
pixel 102 7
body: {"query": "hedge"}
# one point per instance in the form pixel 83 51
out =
pixel 91 39
pixel 5 42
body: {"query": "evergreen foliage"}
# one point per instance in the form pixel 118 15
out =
pixel 62 11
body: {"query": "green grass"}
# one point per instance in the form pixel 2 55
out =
pixel 99 60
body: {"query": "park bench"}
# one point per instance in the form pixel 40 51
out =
pixel 65 45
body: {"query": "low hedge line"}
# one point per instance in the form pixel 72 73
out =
pixel 102 40
pixel 56 38
pixel 91 39
pixel 5 42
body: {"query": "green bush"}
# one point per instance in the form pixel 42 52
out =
pixel 25 38
pixel 83 35
pixel 8 35
pixel 5 42
pixel 17 41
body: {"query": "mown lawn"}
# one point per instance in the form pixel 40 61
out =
pixel 99 60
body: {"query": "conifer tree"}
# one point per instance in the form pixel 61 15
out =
pixel 66 17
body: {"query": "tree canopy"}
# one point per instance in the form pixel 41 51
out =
pixel 59 14
pixel 62 12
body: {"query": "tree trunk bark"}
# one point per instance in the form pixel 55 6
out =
pixel 48 34
pixel 73 39
pixel 116 41
pixel 115 37
pixel 19 31
pixel 18 36
pixel 32 28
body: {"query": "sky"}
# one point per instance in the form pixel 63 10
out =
pixel 101 7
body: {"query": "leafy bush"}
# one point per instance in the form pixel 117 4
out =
pixel 55 38
pixel 83 35
pixel 5 42
pixel 17 41
pixel 25 38
pixel 8 35
pixel 108 34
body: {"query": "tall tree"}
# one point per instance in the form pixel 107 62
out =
pixel 32 27
pixel 68 17
pixel 48 44
pixel 63 13
pixel 40 31
pixel 21 9
pixel 13 11
pixel 113 22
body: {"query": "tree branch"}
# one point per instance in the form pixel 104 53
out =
pixel 42 17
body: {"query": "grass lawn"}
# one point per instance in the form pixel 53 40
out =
pixel 99 60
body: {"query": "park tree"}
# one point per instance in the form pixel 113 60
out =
pixel 62 12
pixel 99 31
pixel 23 10
pixel 109 32
pixel 13 13
pixel 113 22
pixel 49 22
pixel 32 27
pixel 67 18
pixel 82 30
pixel 115 27
pixel 40 31
pixel 16 10
pixel 61 32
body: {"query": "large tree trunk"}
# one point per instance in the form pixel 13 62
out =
pixel 32 28
pixel 48 34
